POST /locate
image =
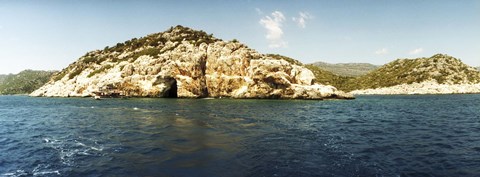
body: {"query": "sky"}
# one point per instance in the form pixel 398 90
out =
pixel 50 34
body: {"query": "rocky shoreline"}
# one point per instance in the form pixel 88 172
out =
pixel 423 88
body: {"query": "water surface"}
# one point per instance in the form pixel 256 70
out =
pixel 415 135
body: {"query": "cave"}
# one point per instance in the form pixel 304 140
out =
pixel 172 91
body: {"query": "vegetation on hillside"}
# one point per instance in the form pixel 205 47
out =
pixel 288 59
pixel 327 77
pixel 442 68
pixel 24 82
pixel 151 45
pixel 347 69
pixel 2 78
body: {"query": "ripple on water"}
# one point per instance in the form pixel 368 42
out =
pixel 369 136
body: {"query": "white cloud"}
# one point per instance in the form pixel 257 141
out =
pixel 416 51
pixel 301 20
pixel 382 51
pixel 259 11
pixel 273 25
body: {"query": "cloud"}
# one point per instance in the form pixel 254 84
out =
pixel 382 51
pixel 301 20
pixel 416 51
pixel 259 11
pixel 273 25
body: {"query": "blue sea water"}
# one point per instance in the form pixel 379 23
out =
pixel 409 135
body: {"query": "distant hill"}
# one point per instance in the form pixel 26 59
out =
pixel 24 82
pixel 442 68
pixel 347 69
pixel 328 78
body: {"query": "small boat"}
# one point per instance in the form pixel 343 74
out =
pixel 97 97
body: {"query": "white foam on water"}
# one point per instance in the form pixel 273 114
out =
pixel 96 149
pixel 46 173
pixel 79 143
pixel 90 147
pixel 69 150
pixel 50 141
pixel 17 173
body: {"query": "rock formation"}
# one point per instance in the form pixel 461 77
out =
pixel 182 62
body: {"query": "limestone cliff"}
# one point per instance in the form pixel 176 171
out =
pixel 182 62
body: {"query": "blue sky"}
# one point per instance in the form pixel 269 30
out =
pixel 51 34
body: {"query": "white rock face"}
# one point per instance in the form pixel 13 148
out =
pixel 219 69
pixel 427 87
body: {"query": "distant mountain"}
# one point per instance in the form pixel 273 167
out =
pixel 442 68
pixel 347 69
pixel 24 82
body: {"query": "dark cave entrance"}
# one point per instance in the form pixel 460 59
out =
pixel 172 92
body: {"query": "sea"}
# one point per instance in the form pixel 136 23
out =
pixel 403 135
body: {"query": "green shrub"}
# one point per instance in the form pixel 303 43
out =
pixel 154 52
pixel 76 72
pixel 102 69
pixel 59 76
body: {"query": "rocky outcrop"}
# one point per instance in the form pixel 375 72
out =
pixel 427 87
pixel 182 62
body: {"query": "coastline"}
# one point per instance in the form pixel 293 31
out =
pixel 423 88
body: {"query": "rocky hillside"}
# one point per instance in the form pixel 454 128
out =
pixel 182 62
pixel 24 82
pixel 347 69
pixel 478 68
pixel 442 69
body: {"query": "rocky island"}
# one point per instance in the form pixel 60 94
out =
pixel 439 74
pixel 186 63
